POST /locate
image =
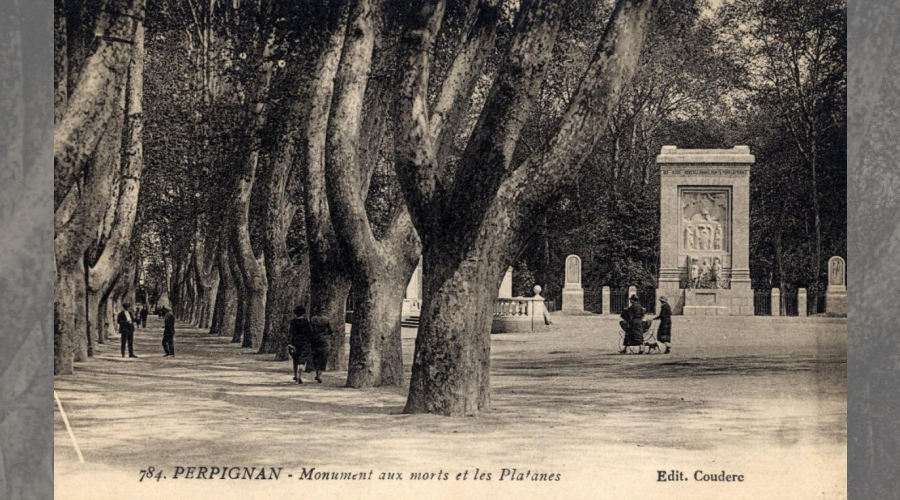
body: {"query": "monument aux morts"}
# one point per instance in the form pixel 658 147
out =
pixel 705 230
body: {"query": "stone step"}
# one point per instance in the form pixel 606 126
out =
pixel 411 322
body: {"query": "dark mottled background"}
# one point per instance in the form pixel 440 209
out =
pixel 26 244
pixel 26 116
pixel 873 249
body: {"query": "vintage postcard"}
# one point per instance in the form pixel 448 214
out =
pixel 450 248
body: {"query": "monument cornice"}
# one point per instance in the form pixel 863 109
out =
pixel 738 156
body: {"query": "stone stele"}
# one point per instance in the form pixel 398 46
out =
pixel 836 293
pixel 573 294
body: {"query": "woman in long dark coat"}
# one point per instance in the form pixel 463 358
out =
pixel 664 333
pixel 320 344
pixel 631 324
pixel 299 347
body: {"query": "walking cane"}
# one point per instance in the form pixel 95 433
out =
pixel 68 427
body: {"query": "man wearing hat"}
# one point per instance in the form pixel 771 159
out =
pixel 632 317
pixel 664 333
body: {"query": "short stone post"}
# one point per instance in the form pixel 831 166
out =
pixel 775 302
pixel 604 299
pixel 632 290
pixel 801 302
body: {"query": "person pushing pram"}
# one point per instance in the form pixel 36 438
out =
pixel 633 325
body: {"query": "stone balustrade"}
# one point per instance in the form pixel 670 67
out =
pixel 519 314
pixel 516 306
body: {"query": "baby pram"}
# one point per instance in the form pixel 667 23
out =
pixel 634 342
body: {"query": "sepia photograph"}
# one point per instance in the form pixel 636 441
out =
pixel 450 248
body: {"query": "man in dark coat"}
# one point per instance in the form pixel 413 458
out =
pixel 126 329
pixel 664 333
pixel 300 342
pixel 144 314
pixel 168 341
pixel 632 318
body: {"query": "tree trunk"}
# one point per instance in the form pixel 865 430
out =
pixel 253 271
pixel 376 358
pixel 208 281
pixel 226 304
pixel 175 289
pixel 103 320
pixel 94 320
pixel 288 284
pixel 253 277
pixel 328 297
pixel 470 229
pixel 75 225
pixel 63 323
pixel 451 368
pixel 208 304
pixel 287 289
pixel 91 106
pixel 103 272
pixel 82 334
pixel 328 280
pixel 240 303
pixel 381 269
pixel 817 265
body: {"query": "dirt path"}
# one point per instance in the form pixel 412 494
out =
pixel 761 397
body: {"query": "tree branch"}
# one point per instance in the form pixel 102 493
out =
pixel 416 159
pixel 90 106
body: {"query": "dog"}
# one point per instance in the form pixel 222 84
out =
pixel 652 346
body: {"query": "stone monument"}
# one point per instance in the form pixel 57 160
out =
pixel 836 293
pixel 573 294
pixel 412 302
pixel 506 288
pixel 705 230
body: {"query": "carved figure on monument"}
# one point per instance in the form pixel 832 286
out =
pixel 715 273
pixel 689 237
pixel 717 238
pixel 695 274
pixel 836 276
pixel 836 293
pixel 704 274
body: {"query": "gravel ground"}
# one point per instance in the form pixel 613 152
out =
pixel 764 398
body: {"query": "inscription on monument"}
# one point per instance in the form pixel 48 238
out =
pixel 573 271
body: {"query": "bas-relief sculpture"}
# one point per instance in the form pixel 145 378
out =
pixel 705 272
pixel 705 216
pixel 836 271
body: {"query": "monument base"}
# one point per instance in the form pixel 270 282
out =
pixel 709 302
pixel 411 307
pixel 836 300
pixel 572 300
pixel 518 324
